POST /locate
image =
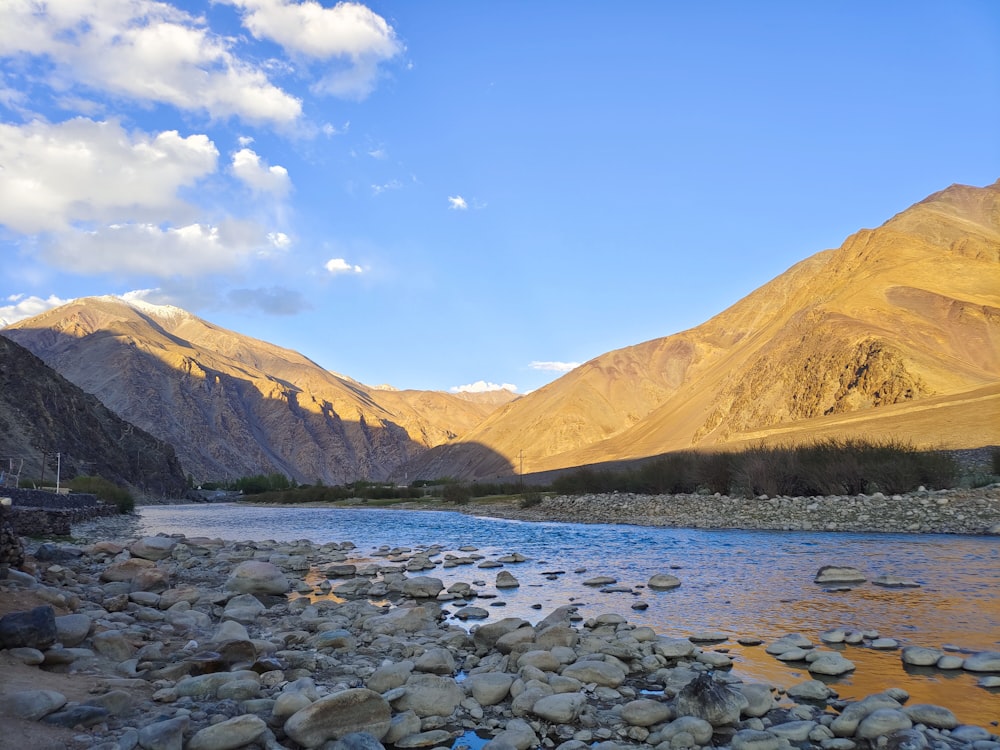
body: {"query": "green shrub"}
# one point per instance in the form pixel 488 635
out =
pixel 104 490
pixel 530 500
pixel 457 493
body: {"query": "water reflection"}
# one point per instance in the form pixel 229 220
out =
pixel 736 582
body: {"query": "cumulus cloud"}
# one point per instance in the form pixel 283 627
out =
pixel 339 265
pixel 348 32
pixel 186 251
pixel 481 386
pixel 457 203
pixel 273 300
pixel 258 176
pixel 554 366
pixel 145 50
pixel 22 307
pixel 82 170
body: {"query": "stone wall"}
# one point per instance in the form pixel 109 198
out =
pixel 41 513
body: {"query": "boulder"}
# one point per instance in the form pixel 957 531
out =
pixel 422 587
pixel 839 574
pixel 645 712
pixel 257 577
pixel 715 702
pixel 561 708
pixel 831 663
pixel 663 582
pixel 33 628
pixel 600 673
pixel 33 704
pixel 882 721
pixel 429 695
pixel 340 714
pixel 506 580
pixel 153 548
pixel 489 688
pixel 985 661
pixel 230 734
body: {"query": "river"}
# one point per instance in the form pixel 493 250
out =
pixel 741 583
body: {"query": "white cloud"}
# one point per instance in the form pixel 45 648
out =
pixel 481 386
pixel 457 203
pixel 386 186
pixel 554 366
pixel 185 251
pixel 273 300
pixel 145 50
pixel 348 31
pixel 26 307
pixel 339 265
pixel 378 153
pixel 81 170
pixel 258 176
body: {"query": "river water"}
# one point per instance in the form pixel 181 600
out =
pixel 741 583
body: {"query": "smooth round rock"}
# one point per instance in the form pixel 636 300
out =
pixel 257 577
pixel 663 582
pixel 339 714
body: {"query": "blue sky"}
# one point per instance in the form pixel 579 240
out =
pixel 436 195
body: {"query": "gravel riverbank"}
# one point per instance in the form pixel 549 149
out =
pixel 960 511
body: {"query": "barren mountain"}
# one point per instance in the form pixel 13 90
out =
pixel 897 319
pixel 235 406
pixel 41 414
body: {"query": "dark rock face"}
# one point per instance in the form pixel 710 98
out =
pixel 11 548
pixel 35 628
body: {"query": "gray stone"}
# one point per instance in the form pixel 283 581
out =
pixel 244 608
pixel 435 661
pixel 113 645
pixel 72 630
pixel 882 721
pixel 489 688
pixel 34 704
pixel 422 587
pixel 117 702
pixel 340 714
pixel 753 739
pixel 229 734
pixel 472 613
pixel 645 712
pixel 390 676
pixel 431 738
pixel 517 734
pixel 257 577
pixel 794 731
pixel 839 574
pixel 847 723
pixel 561 708
pixel 164 735
pixel 699 730
pixel 598 672
pixel 355 741
pixel 895 582
pixel 506 580
pixel 831 663
pixel 715 702
pixel 77 715
pixel 429 695
pixel 759 699
pixel 333 639
pixel 673 648
pixel 663 582
pixel 488 634
pixel 33 628
pixel 931 715
pixel 810 690
pixel 918 656
pixel 985 661
pixel 153 548
pixel 402 725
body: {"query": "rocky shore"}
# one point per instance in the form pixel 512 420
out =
pixel 959 511
pixel 174 643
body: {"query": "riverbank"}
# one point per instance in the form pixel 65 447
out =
pixel 955 511
pixel 169 642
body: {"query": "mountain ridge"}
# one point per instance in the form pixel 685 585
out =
pixel 904 314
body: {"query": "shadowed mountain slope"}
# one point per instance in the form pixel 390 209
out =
pixel 233 405
pixel 41 413
pixel 896 317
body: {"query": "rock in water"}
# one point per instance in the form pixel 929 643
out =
pixel 716 703
pixel 839 574
pixel 663 582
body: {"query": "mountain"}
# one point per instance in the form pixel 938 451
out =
pixel 894 334
pixel 41 414
pixel 235 406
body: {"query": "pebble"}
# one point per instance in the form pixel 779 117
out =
pixel 281 671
